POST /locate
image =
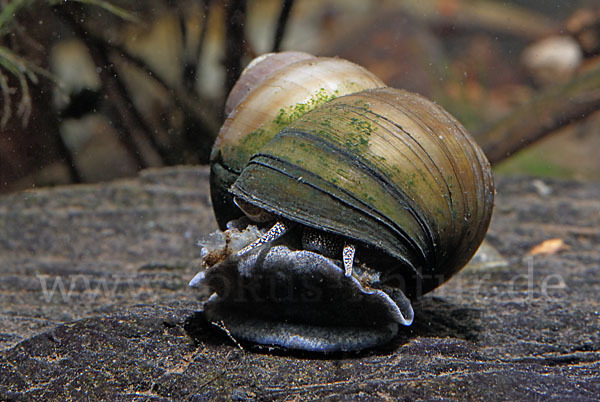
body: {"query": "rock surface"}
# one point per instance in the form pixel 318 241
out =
pixel 95 305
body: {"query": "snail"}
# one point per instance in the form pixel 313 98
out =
pixel 340 200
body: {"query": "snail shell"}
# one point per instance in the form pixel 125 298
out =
pixel 257 72
pixel 383 170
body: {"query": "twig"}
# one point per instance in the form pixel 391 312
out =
pixel 286 8
pixel 18 67
pixel 214 378
pixel 555 108
pixel 235 19
pixel 24 108
pixel 192 59
pixel 488 16
pixel 222 373
pixel 67 155
pixel 6 108
pixel 221 325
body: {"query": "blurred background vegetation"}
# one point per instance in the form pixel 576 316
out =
pixel 93 90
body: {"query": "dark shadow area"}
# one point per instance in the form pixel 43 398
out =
pixel 202 331
pixel 439 318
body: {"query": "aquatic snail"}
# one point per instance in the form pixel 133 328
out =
pixel 340 200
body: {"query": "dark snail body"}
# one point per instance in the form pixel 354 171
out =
pixel 384 194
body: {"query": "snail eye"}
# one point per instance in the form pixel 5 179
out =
pixel 326 244
pixel 329 245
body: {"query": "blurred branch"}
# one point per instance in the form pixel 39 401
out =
pixel 235 19
pixel 192 104
pixel 286 8
pixel 6 104
pixel 108 6
pixel 490 16
pixel 126 117
pixel 200 110
pixel 192 59
pixel 65 152
pixel 24 70
pixel 9 13
pixel 556 107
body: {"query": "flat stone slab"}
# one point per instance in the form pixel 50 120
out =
pixel 95 305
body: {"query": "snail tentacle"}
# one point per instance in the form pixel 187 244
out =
pixel 348 257
pixel 278 230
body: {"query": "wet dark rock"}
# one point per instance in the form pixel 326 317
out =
pixel 124 326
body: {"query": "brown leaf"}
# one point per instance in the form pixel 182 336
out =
pixel 549 247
